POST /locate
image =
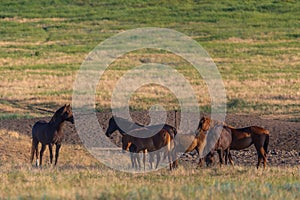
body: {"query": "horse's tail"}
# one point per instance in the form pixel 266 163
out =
pixel 33 143
pixel 175 131
pixel 266 143
pixel 32 151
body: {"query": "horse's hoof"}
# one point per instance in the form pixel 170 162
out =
pixel 37 164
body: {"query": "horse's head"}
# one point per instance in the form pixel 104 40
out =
pixel 67 114
pixel 209 159
pixel 204 123
pixel 112 126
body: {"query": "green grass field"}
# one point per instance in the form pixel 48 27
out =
pixel 255 45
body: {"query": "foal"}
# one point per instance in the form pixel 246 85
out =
pixel 49 133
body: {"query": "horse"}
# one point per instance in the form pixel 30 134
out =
pixel 198 144
pixel 129 126
pixel 154 143
pixel 222 146
pixel 243 138
pixel 49 133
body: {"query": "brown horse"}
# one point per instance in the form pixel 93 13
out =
pixel 244 137
pixel 222 146
pixel 49 133
pixel 128 126
pixel 151 144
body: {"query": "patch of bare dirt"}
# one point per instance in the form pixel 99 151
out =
pixel 284 146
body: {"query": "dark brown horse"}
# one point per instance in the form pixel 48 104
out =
pixel 244 137
pixel 222 146
pixel 49 133
pixel 128 126
pixel 155 143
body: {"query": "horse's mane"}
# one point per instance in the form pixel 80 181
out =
pixel 214 123
pixel 126 121
pixel 56 114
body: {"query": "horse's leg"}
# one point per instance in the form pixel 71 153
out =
pixel 169 159
pixel 226 152
pixel 230 158
pixel 261 154
pixel 37 154
pixel 175 160
pixel 41 153
pixel 138 160
pixel 57 152
pixel 265 160
pixel 200 164
pixel 151 159
pixel 51 153
pixel 157 159
pixel 220 152
pixel 144 158
pixel 132 159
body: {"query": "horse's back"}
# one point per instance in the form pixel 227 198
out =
pixel 259 130
pixel 254 130
pixel 40 131
pixel 38 126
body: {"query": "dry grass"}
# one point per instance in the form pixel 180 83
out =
pixel 79 175
pixel 26 20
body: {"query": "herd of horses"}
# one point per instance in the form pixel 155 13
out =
pixel 163 140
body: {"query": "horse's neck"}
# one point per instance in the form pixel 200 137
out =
pixel 56 123
pixel 129 126
pixel 60 127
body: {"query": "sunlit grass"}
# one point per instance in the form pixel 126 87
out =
pixel 98 181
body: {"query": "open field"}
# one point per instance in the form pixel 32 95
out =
pixel 255 45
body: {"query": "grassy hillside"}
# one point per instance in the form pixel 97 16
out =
pixel 255 45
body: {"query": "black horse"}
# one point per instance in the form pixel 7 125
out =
pixel 49 133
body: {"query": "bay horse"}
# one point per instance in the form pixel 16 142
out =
pixel 49 133
pixel 154 143
pixel 243 138
pixel 129 126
